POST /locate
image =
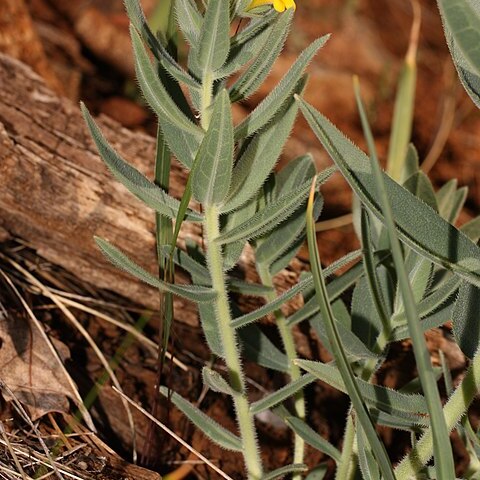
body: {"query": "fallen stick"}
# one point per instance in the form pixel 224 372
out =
pixel 57 194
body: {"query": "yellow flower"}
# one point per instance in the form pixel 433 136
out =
pixel 278 5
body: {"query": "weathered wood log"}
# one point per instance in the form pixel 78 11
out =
pixel 57 193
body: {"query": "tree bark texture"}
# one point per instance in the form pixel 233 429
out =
pixel 57 194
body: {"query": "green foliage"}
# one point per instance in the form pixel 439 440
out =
pixel 395 291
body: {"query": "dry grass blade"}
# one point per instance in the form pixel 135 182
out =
pixel 175 436
pixel 12 453
pixel 68 314
pixel 18 406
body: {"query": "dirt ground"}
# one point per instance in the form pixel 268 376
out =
pixel 86 47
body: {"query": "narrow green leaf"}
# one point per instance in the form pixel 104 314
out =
pixel 246 45
pixel 273 214
pixel 421 186
pixel 287 470
pixel 152 195
pixel 257 72
pixel 445 197
pixel 472 229
pixel 247 288
pixel 216 382
pixel 465 319
pixel 258 159
pixel 270 105
pixel 279 240
pixel 139 21
pixel 311 437
pixel 211 178
pixel 424 231
pixel 214 42
pixel 368 465
pixel 232 251
pixel 352 344
pixel 258 348
pixel 301 286
pixel 442 448
pixel 120 260
pixel 337 348
pixel 213 430
pixel 382 398
pixel 282 394
pixel 463 21
pixel 189 20
pixel 187 263
pixel 154 91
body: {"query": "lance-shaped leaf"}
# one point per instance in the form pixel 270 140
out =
pixel 301 286
pixel 155 92
pixel 246 45
pixel 213 430
pixel 211 177
pixel 189 20
pixel 270 105
pixel 257 72
pixel 279 240
pixel 120 260
pixel 382 398
pixel 258 159
pixel 286 470
pixel 282 394
pixel 418 225
pixel 273 214
pixel 139 21
pixel 465 319
pixel 216 382
pixel 311 437
pixel 214 42
pixel 463 21
pixel 149 193
pixel 368 464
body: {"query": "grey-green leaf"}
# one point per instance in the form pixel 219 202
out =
pixel 214 42
pixel 189 20
pixel 152 195
pixel 138 19
pixel 155 92
pixel 211 178
pixel 382 398
pixel 273 214
pixel 420 227
pixel 216 382
pixel 259 158
pixel 119 259
pixel 213 430
pixel 282 394
pixel 286 470
pixel 270 105
pixel 255 74
pixel 463 22
pixel 465 319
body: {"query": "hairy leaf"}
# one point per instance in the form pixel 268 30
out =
pixel 152 195
pixel 119 259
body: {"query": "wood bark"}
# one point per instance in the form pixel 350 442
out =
pixel 57 194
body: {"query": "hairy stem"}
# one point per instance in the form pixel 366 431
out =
pixel 289 346
pixel 230 348
pixel 456 406
pixel 348 461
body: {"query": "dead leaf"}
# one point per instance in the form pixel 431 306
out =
pixel 28 363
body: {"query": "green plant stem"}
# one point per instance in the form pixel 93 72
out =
pixel 290 351
pixel 229 344
pixel 453 411
pixel 347 465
